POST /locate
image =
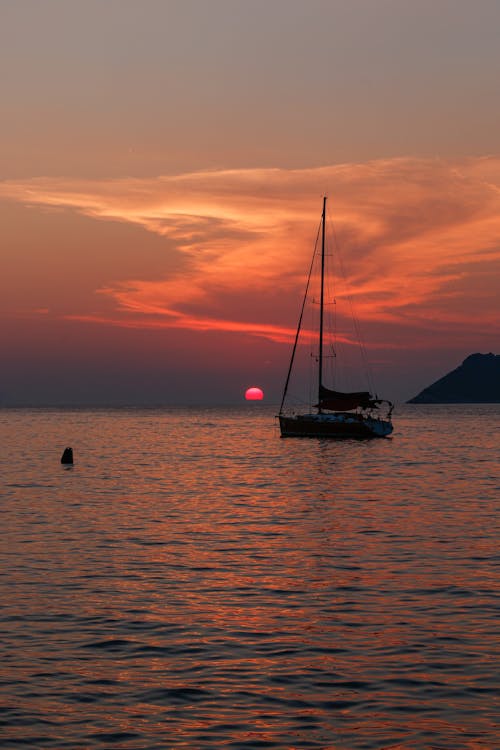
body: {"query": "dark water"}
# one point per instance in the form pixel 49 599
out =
pixel 194 581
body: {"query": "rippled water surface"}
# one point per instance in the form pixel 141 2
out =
pixel 194 581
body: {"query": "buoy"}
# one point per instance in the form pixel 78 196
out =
pixel 67 456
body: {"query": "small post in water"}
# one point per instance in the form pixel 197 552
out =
pixel 67 456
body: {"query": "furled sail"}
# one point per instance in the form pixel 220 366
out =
pixel 338 401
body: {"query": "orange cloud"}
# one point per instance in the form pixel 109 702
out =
pixel 420 241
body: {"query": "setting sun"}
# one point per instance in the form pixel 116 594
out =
pixel 254 394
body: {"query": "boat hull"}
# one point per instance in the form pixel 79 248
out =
pixel 342 425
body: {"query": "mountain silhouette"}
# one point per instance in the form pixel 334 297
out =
pixel 476 381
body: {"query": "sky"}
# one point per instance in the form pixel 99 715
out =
pixel 162 167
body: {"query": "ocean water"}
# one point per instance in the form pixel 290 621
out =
pixel 195 581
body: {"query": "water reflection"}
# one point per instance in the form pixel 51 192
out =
pixel 193 584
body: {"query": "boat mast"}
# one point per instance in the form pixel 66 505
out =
pixel 321 305
pixel 299 326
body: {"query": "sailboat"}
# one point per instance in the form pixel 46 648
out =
pixel 337 414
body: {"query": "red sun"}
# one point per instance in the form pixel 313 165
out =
pixel 254 394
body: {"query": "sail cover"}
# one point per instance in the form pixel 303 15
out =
pixel 338 401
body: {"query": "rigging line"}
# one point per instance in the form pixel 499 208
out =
pixel 300 322
pixel 321 313
pixel 330 315
pixel 357 328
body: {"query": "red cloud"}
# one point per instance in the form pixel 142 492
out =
pixel 420 240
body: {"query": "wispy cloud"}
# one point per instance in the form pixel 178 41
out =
pixel 420 241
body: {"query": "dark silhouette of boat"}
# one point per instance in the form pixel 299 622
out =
pixel 336 414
